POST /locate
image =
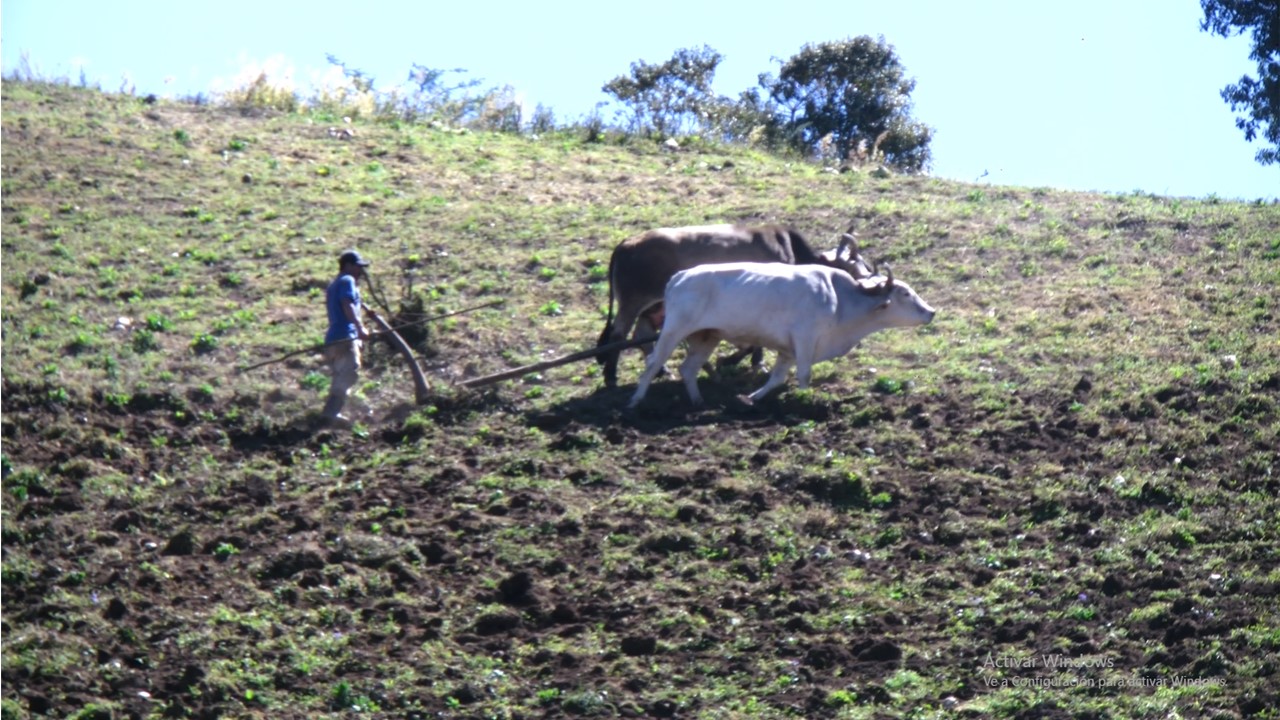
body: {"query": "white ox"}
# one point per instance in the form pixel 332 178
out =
pixel 808 313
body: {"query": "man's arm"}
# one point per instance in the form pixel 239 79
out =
pixel 349 309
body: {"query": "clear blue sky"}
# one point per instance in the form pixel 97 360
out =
pixel 1109 95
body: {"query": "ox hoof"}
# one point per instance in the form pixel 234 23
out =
pixel 746 400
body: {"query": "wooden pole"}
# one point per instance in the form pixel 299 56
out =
pixel 421 393
pixel 286 356
pixel 535 367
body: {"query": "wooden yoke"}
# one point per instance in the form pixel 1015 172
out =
pixel 421 392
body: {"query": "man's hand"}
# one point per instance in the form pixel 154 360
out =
pixel 364 333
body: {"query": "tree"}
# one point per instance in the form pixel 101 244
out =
pixel 671 97
pixel 1258 97
pixel 749 119
pixel 850 93
pixel 435 98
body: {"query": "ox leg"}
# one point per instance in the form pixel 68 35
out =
pixel 644 326
pixel 609 360
pixel 757 358
pixel 734 358
pixel 699 347
pixel 617 332
pixel 781 369
pixel 667 343
pixel 804 367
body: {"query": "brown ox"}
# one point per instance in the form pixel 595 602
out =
pixel 641 266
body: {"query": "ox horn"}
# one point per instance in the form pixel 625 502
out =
pixel 847 240
pixel 856 265
pixel 888 279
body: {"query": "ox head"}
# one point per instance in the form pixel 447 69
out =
pixel 846 257
pixel 901 305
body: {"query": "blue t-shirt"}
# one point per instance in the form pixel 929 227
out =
pixel 341 291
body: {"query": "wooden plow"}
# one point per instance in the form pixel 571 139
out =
pixel 421 394
pixel 421 388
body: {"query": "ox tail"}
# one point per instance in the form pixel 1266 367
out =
pixel 608 318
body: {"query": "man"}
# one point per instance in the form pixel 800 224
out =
pixel 346 333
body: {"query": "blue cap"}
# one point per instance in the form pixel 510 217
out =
pixel 351 257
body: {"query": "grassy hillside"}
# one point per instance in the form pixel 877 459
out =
pixel 1057 500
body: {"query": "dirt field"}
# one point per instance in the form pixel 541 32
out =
pixel 1057 501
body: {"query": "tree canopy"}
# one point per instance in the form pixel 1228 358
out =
pixel 853 94
pixel 670 97
pixel 849 98
pixel 1258 98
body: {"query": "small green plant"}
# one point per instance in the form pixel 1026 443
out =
pixel 225 550
pixel 183 137
pixel 889 536
pixel 840 698
pixel 313 380
pixel 340 696
pixel 1081 612
pixel 204 344
pixel 888 386
pixel 158 323
pixel 116 400
pixel 418 424
pixel 20 483
pixel 144 341
pixel 94 711
pixel 82 342
pixel 327 464
pixel 108 276
pixel 551 309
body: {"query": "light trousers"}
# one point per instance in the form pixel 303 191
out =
pixel 344 360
